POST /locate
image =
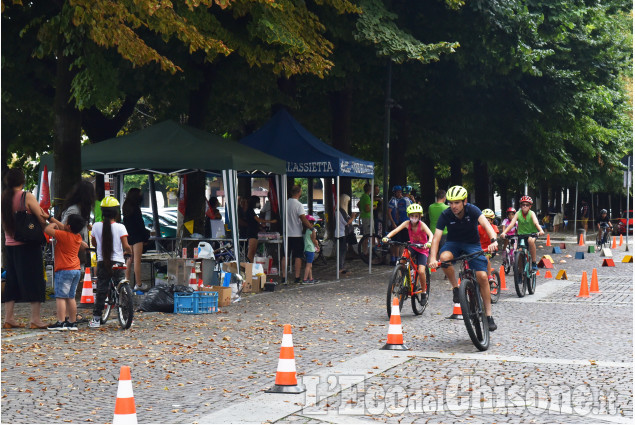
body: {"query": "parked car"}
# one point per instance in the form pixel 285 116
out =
pixel 620 229
pixel 168 224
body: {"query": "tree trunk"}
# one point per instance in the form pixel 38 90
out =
pixel 341 106
pixel 456 175
pixel 328 207
pixel 398 174
pixel 544 197
pixel 68 130
pixel 481 184
pixel 504 197
pixel 427 174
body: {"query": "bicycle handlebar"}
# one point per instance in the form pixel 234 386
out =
pixel 408 244
pixel 446 264
pixel 529 235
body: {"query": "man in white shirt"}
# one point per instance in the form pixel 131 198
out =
pixel 297 218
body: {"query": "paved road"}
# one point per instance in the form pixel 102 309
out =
pixel 554 358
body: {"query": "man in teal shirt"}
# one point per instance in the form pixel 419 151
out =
pixel 435 210
pixel 365 210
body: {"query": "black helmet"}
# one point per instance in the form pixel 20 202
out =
pixel 603 211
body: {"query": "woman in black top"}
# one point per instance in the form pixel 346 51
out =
pixel 253 226
pixel 137 232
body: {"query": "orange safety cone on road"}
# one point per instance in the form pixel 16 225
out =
pixel 548 240
pixel 87 289
pixel 193 281
pixel 125 410
pixel 584 287
pixel 595 289
pixel 621 240
pixel 395 335
pixel 548 275
pixel 286 379
pixel 614 244
pixel 501 273
pixel 581 242
pixel 537 272
pixel 456 312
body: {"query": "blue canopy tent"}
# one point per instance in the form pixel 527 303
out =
pixel 307 156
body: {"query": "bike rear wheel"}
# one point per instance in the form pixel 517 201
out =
pixel 495 287
pixel 364 247
pixel 519 274
pixel 531 282
pixel 474 314
pixel 420 301
pixel 507 260
pixel 396 285
pixel 125 309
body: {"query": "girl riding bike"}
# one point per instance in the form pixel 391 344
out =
pixel 527 224
pixel 418 232
pixel 510 215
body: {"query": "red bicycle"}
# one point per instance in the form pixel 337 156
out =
pixel 404 282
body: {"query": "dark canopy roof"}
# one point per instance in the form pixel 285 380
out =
pixel 170 147
pixel 306 155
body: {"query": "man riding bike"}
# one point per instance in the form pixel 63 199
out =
pixel 462 220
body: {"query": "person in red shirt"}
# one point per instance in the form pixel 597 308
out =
pixel 485 239
pixel 68 272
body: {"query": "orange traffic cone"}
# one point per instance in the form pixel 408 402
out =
pixel 548 240
pixel 456 312
pixel 614 244
pixel 581 243
pixel 584 287
pixel 594 282
pixel 501 273
pixel 87 289
pixel 125 411
pixel 395 336
pixel 193 282
pixel 286 380
pixel 537 272
pixel 621 240
pixel 548 274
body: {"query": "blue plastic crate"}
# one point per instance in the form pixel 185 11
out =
pixel 196 303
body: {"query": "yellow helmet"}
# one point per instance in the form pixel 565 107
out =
pixel 414 209
pixel 488 213
pixel 456 193
pixel 109 201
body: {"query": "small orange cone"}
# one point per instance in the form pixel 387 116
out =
pixel 621 240
pixel 125 411
pixel 395 336
pixel 501 273
pixel 87 289
pixel 537 272
pixel 548 274
pixel 584 287
pixel 456 312
pixel 548 240
pixel 614 244
pixel 581 243
pixel 594 282
pixel 286 380
pixel 193 282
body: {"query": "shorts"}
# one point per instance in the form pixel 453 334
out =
pixel 296 247
pixel 402 236
pixel 420 258
pixel 66 282
pixel 309 256
pixel 478 264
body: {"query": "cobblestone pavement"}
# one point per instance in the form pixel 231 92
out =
pixel 186 368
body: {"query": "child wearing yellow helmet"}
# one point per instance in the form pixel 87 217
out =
pixel 418 232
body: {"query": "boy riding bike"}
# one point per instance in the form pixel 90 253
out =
pixel 603 221
pixel 462 220
pixel 484 237
pixel 418 232
pixel 527 224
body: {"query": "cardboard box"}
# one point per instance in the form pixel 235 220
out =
pixel 179 270
pixel 254 281
pixel 224 294
pixel 230 267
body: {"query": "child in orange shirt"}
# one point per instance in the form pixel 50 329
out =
pixel 67 268
pixel 485 239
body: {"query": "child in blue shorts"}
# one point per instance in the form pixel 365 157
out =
pixel 311 246
pixel 68 271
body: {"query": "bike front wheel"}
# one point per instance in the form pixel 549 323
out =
pixel 531 283
pixel 125 309
pixel 519 274
pixel 398 281
pixel 420 301
pixel 474 314
pixel 495 287
pixel 364 247
pixel 109 303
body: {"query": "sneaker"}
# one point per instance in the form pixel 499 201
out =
pixel 534 266
pixel 95 323
pixel 297 280
pixel 71 326
pixel 490 324
pixel 307 282
pixel 57 326
pixel 455 295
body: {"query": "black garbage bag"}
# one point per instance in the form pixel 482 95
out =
pixel 161 298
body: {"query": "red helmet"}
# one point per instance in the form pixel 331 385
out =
pixel 511 210
pixel 526 199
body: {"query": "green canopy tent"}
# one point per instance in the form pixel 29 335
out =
pixel 169 147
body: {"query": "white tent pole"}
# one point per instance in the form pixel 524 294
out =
pixel 371 231
pixel 283 204
pixel 234 211
pixel 337 217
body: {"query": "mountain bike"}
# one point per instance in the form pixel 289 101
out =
pixel 404 281
pixel 119 298
pixel 494 286
pixel 472 306
pixel 379 249
pixel 508 255
pixel 602 237
pixel 524 275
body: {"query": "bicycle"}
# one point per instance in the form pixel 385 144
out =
pixel 119 297
pixel 524 275
pixel 508 255
pixel 379 249
pixel 494 286
pixel 404 282
pixel 472 307
pixel 225 254
pixel 602 236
